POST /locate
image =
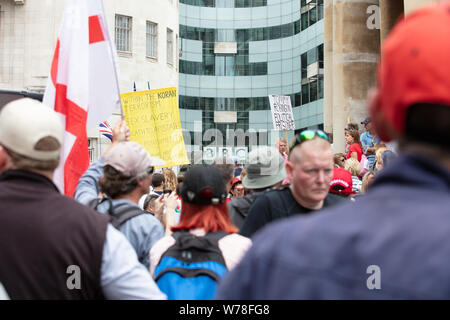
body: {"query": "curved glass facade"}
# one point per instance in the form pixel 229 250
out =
pixel 236 53
pixel 226 3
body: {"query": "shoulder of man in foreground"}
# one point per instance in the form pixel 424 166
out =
pixel 122 276
pixel 327 255
pixel 267 269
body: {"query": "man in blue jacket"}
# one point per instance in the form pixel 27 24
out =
pixel 123 174
pixel 394 243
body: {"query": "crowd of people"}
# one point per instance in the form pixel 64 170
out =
pixel 296 221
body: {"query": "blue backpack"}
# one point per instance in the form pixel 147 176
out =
pixel 192 267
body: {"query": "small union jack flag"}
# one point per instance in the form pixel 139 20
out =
pixel 106 130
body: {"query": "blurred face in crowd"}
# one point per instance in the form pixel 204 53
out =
pixel 239 190
pixel 339 160
pixel 348 138
pixel 145 183
pixel 369 127
pixel 282 147
pixel 310 170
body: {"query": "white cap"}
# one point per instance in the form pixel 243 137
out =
pixel 24 122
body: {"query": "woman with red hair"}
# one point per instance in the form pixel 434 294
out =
pixel 204 212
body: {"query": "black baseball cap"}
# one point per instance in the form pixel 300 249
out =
pixel 366 121
pixel 203 184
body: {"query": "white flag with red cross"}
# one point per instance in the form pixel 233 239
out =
pixel 83 85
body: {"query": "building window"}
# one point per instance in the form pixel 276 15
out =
pixel 123 33
pixel 169 46
pixel 312 11
pixel 92 147
pixel 245 35
pixel 226 3
pixel 152 39
pixel 312 81
pixel 224 65
pixel 177 52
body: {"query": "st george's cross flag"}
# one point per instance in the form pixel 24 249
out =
pixel 83 85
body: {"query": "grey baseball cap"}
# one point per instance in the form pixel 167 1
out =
pixel 131 159
pixel 265 167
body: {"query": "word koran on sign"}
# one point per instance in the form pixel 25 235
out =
pixel 154 121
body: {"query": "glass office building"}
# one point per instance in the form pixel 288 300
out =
pixel 234 53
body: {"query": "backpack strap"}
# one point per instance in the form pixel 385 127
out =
pixel 177 234
pixel 212 237
pixel 117 218
pixel 94 203
pixel 216 236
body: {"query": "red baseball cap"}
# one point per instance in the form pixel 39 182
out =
pixel 415 63
pixel 342 182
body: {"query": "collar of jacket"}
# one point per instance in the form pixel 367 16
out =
pixel 26 175
pixel 415 171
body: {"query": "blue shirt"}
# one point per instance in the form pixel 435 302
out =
pixel 400 228
pixel 142 231
pixel 368 141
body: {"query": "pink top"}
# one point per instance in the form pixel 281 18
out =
pixel 233 248
pixel 286 180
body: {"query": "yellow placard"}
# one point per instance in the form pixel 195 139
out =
pixel 154 121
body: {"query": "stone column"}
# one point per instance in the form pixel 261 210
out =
pixel 328 66
pixel 355 58
pixel 411 5
pixel 390 12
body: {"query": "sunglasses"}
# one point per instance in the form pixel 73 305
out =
pixel 308 135
pixel 150 170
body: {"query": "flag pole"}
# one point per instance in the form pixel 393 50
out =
pixel 287 142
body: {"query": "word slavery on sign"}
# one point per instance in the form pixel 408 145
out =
pixel 282 115
pixel 154 121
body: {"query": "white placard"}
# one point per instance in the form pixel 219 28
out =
pixel 282 115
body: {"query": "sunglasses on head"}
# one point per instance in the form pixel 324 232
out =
pixel 308 135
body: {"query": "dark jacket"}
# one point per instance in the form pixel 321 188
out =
pixel 43 234
pixel 238 208
pixel 276 204
pixel 398 233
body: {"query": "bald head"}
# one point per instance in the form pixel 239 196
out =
pixel 310 170
pixel 315 145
